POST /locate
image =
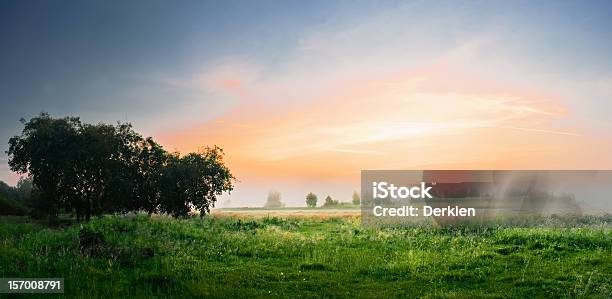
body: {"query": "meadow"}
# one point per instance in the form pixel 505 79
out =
pixel 240 256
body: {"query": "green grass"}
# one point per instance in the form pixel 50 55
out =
pixel 137 256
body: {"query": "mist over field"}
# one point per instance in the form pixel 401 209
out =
pixel 232 149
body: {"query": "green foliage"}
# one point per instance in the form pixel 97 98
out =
pixel 273 200
pixel 7 191
pixel 94 169
pixel 44 151
pixel 24 188
pixel 102 172
pixel 356 198
pixel 311 200
pixel 194 181
pixel 11 207
pixel 16 200
pixel 330 202
pixel 140 256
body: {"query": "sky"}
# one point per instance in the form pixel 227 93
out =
pixel 303 95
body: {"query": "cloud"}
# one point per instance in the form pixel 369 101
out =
pixel 231 78
pixel 394 90
pixel 375 123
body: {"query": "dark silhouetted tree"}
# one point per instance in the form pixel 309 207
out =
pixel 151 161
pixel 44 151
pixel 212 178
pixel 194 181
pixel 94 169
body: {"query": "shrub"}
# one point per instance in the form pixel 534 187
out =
pixel 11 207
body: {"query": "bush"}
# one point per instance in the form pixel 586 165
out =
pixel 12 207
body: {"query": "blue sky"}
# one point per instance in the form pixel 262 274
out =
pixel 177 70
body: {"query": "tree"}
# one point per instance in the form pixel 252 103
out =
pixel 152 159
pixel 96 160
pixel 212 178
pixel 9 206
pixel 24 188
pixel 103 172
pixel 194 181
pixel 7 191
pixel 94 169
pixel 356 198
pixel 16 200
pixel 11 201
pixel 123 186
pixel 27 194
pixel 311 200
pixel 329 201
pixel 44 152
pixel 274 200
pixel 175 181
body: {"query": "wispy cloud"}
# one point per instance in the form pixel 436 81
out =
pixel 380 121
pixel 392 91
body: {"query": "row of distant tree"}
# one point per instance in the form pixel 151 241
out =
pixel 92 169
pixel 274 200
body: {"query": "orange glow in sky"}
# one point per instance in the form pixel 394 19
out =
pixel 430 119
pixel 303 98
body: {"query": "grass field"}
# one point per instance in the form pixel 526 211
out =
pixel 232 256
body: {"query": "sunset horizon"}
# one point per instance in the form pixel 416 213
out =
pixel 306 149
pixel 306 106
